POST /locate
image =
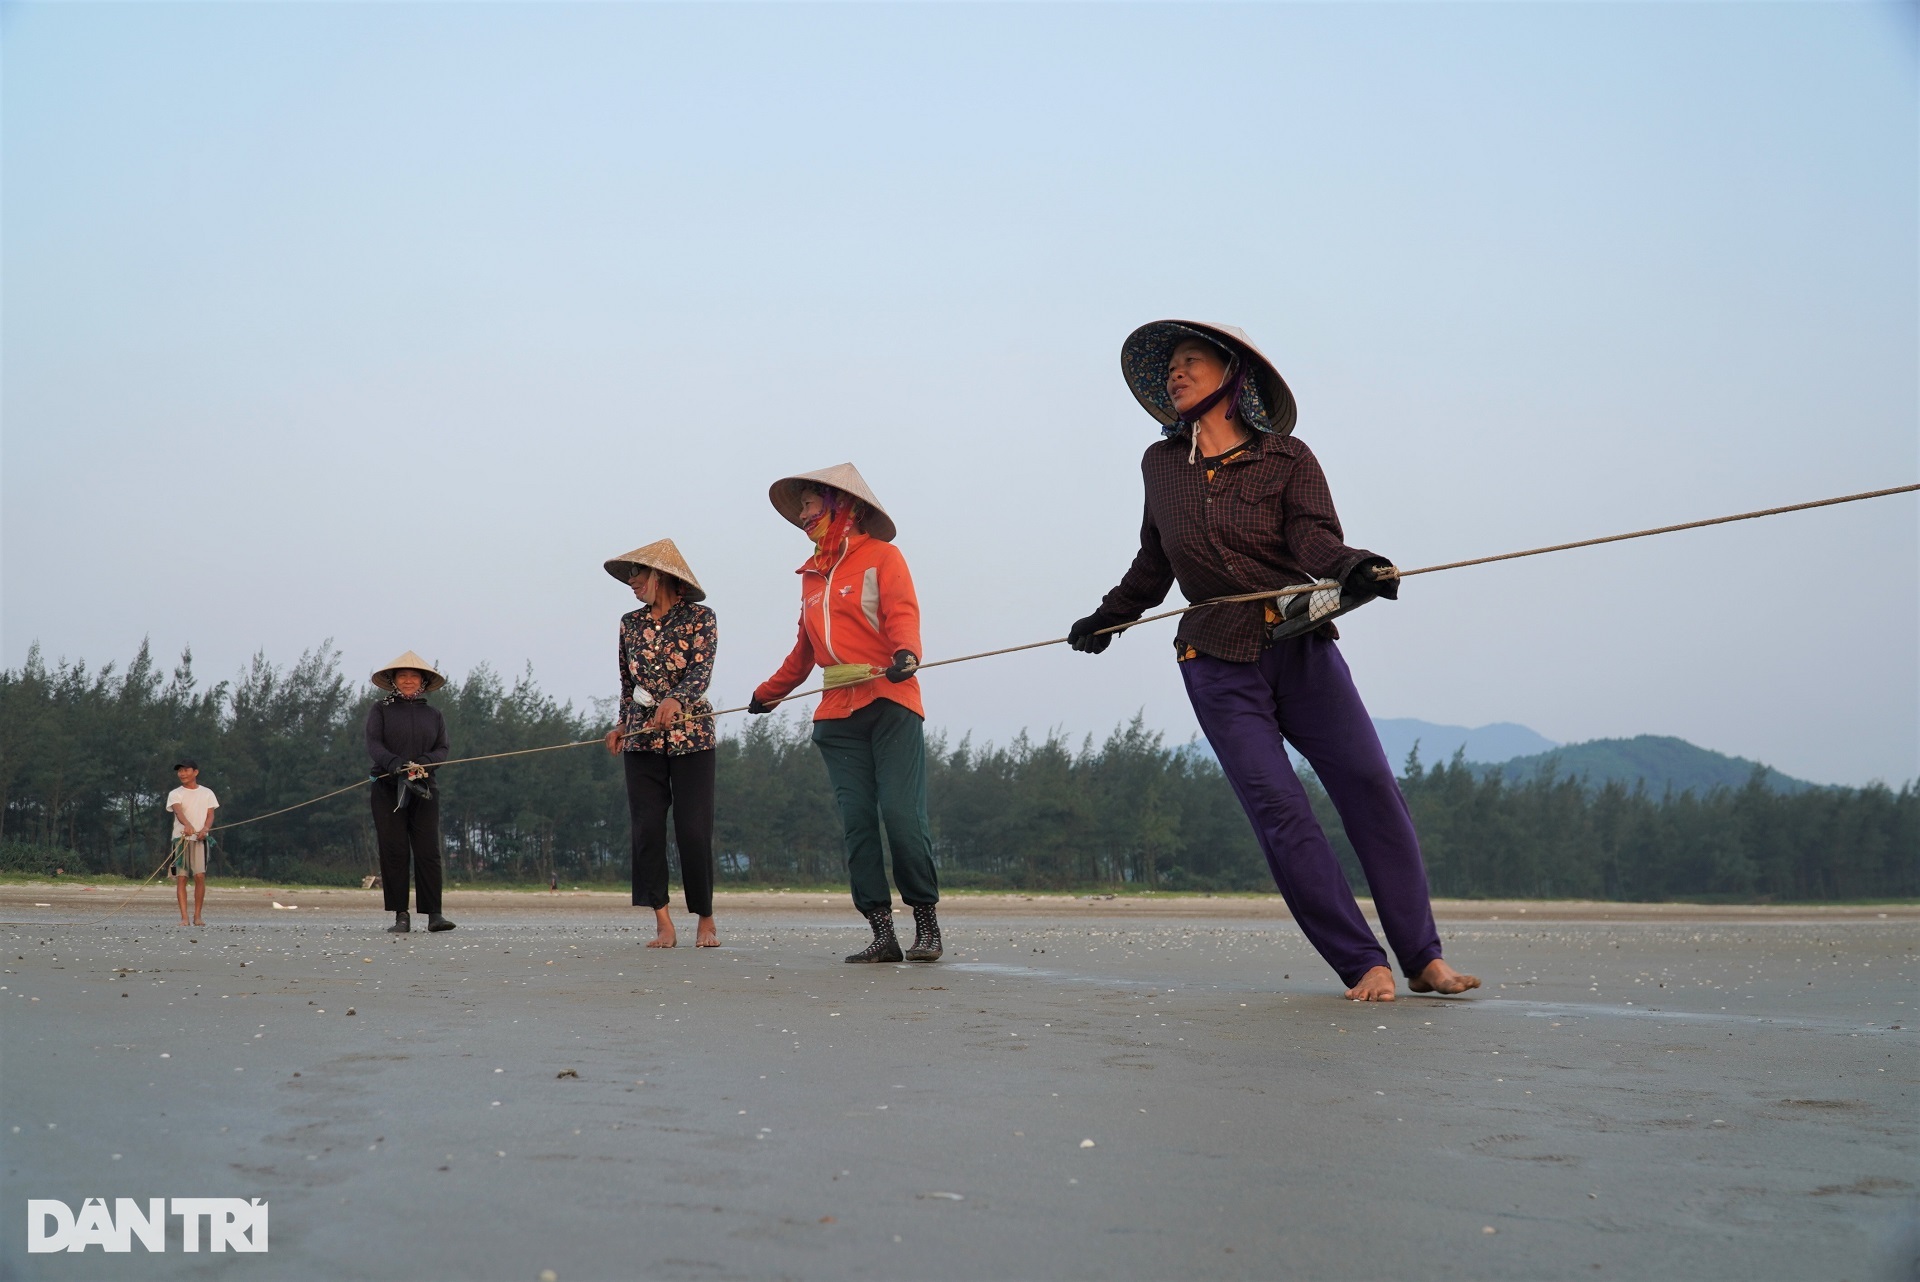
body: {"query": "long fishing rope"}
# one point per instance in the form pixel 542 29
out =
pixel 137 889
pixel 1395 573
pixel 1658 529
pixel 298 805
pixel 328 796
pixel 1267 594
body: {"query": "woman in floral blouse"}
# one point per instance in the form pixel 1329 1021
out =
pixel 665 736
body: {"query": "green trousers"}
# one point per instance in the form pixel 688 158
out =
pixel 877 760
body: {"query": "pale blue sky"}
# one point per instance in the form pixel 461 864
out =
pixel 389 323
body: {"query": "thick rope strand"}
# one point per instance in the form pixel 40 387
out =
pixel 361 783
pixel 298 805
pixel 137 889
pixel 1659 529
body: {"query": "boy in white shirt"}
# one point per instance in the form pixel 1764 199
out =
pixel 192 809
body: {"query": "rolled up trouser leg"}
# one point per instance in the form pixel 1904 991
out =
pixel 846 745
pixel 1236 705
pixel 190 857
pixel 1322 715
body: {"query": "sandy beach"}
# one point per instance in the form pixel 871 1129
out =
pixel 1085 1088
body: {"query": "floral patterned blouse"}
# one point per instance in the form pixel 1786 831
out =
pixel 670 658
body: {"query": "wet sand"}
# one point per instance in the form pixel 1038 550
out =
pixel 93 900
pixel 1641 1091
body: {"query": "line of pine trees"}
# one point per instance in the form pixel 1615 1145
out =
pixel 85 757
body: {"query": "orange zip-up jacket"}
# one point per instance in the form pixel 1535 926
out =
pixel 860 611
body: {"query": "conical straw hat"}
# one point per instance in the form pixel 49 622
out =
pixel 662 556
pixel 383 677
pixel 788 491
pixel 1266 402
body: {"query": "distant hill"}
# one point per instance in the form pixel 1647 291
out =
pixel 1660 761
pixel 1501 741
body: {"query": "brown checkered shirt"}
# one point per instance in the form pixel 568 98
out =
pixel 1265 520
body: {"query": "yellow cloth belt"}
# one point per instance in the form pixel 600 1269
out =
pixel 846 674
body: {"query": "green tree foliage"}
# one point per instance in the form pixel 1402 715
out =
pixel 1553 837
pixel 85 762
pixel 77 752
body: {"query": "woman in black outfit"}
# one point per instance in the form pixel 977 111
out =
pixel 665 737
pixel 405 735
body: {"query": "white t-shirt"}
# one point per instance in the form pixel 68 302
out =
pixel 196 802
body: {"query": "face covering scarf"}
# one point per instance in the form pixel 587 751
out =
pixel 830 529
pixel 1228 391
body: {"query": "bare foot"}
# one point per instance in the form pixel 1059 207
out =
pixel 708 936
pixel 185 922
pixel 663 936
pixel 198 922
pixel 1374 986
pixel 1438 977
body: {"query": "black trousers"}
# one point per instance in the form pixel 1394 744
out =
pixel 409 836
pixel 655 782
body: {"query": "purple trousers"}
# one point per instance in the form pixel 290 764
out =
pixel 1300 691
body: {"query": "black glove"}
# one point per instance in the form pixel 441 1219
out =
pixel 405 789
pixel 904 664
pixel 1086 636
pixel 1361 583
pixel 421 787
pixel 756 707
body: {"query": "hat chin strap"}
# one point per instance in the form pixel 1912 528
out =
pixel 1229 391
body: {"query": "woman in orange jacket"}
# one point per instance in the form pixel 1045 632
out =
pixel 860 621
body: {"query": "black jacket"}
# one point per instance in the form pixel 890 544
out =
pixel 1262 517
pixel 405 730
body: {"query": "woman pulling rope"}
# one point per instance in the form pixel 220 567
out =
pixel 1235 504
pixel 405 735
pixel 860 620
pixel 665 739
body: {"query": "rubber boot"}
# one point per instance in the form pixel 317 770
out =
pixel 401 923
pixel 436 922
pixel 884 948
pixel 926 934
